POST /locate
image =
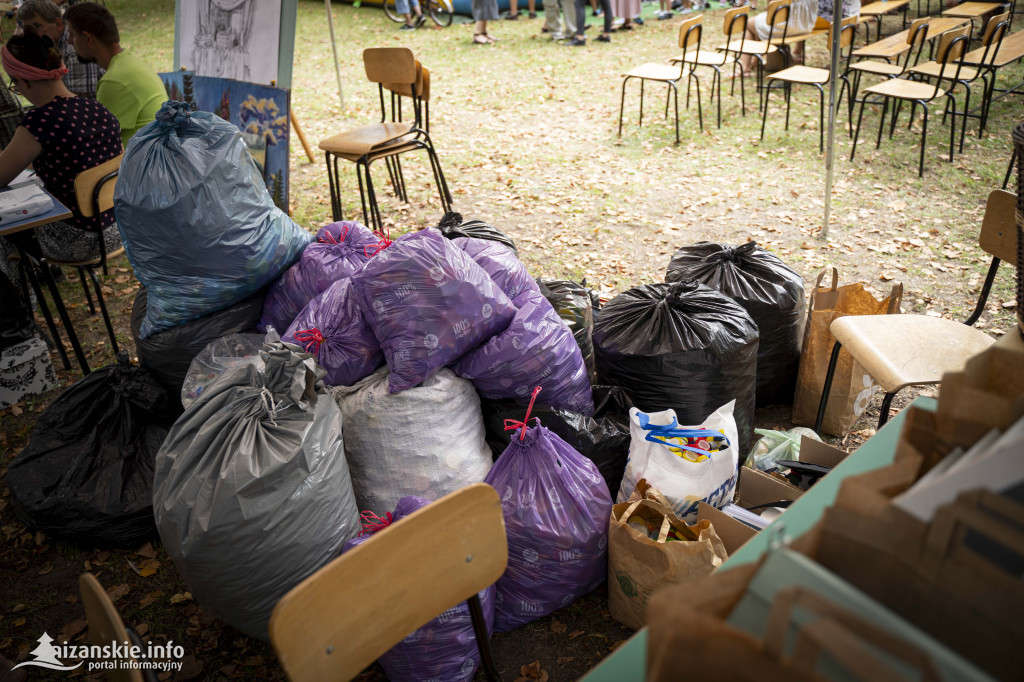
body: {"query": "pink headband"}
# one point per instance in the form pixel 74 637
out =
pixel 14 67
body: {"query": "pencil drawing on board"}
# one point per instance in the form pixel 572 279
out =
pixel 235 39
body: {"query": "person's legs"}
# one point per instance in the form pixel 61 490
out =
pixel 606 10
pixel 532 5
pixel 61 242
pixel 480 36
pixel 569 16
pixel 581 21
pixel 513 9
pixel 552 19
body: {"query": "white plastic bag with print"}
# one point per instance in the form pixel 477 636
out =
pixel 685 473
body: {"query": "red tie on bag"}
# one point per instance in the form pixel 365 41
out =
pixel 329 238
pixel 372 250
pixel 310 337
pixel 373 523
pixel 512 424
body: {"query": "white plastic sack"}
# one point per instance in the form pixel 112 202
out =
pixel 684 483
pixel 251 488
pixel 426 441
pixel 220 355
pixel 777 446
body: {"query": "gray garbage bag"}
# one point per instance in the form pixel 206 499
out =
pixel 251 491
pixel 426 441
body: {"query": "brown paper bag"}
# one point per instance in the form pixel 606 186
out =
pixel 688 637
pixel 637 565
pixel 852 387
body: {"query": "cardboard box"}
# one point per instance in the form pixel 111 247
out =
pixel 757 487
pixel 25 371
pixel 731 532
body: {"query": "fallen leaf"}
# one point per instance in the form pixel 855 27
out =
pixel 18 622
pixel 17 608
pixel 72 599
pixel 117 591
pixel 253 661
pixel 141 629
pixel 147 551
pixel 576 633
pixel 73 628
pixel 180 597
pixel 558 626
pixel 565 659
pixel 190 668
pixel 15 410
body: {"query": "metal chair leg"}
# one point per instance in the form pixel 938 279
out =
pixel 924 139
pixel 829 376
pixel 476 614
pixel 85 288
pixel 103 310
pixel 886 402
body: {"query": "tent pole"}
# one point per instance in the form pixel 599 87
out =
pixel 837 32
pixel 334 51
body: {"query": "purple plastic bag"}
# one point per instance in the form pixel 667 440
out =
pixel 331 328
pixel 429 304
pixel 537 349
pixel 338 250
pixel 501 263
pixel 556 508
pixel 443 649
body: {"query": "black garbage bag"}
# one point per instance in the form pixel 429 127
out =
pixel 574 305
pixel 169 353
pixel 452 227
pixel 15 322
pixel 603 438
pixel 683 346
pixel 769 290
pixel 86 475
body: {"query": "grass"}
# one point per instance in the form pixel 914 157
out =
pixel 526 133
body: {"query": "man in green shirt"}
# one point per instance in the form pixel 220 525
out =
pixel 129 89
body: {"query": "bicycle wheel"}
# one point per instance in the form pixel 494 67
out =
pixel 392 11
pixel 439 12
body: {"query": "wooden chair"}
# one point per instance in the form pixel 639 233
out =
pixel 916 39
pixel 94 194
pixel 952 46
pixel 340 619
pixel 777 16
pixel 915 350
pixel 1010 51
pixel 735 22
pixel 992 39
pixel 809 75
pixel 362 146
pixel 399 93
pixel 106 627
pixel 689 40
pixel 979 10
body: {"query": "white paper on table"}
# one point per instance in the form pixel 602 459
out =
pixel 23 201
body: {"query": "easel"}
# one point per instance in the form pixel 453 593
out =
pixel 302 138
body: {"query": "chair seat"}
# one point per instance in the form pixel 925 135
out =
pixel 761 47
pixel 705 58
pixel 86 263
pixel 878 68
pixel 906 350
pixel 801 74
pixel 655 72
pixel 366 138
pixel 937 70
pixel 381 152
pixel 904 89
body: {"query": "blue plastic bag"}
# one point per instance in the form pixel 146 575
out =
pixel 443 649
pixel 196 219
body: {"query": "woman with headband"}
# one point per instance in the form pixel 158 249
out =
pixel 60 137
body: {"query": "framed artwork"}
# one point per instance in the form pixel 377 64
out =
pixel 259 111
pixel 244 40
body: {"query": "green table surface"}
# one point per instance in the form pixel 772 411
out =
pixel 628 662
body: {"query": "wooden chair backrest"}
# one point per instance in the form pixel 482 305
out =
pixel 105 625
pixel 847 31
pixel 953 44
pixel 736 21
pixel 340 619
pixel 918 31
pixel 87 181
pixel 999 226
pixel 778 12
pixel 422 85
pixel 996 28
pixel 389 65
pixel 689 33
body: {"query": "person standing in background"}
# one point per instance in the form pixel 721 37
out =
pixel 484 11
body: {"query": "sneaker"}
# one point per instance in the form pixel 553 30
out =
pixel 603 39
pixel 419 20
pixel 664 15
pixel 407 27
pixel 597 13
pixel 556 37
pixel 639 21
pixel 686 10
pixel 512 17
pixel 533 15
pixel 577 42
